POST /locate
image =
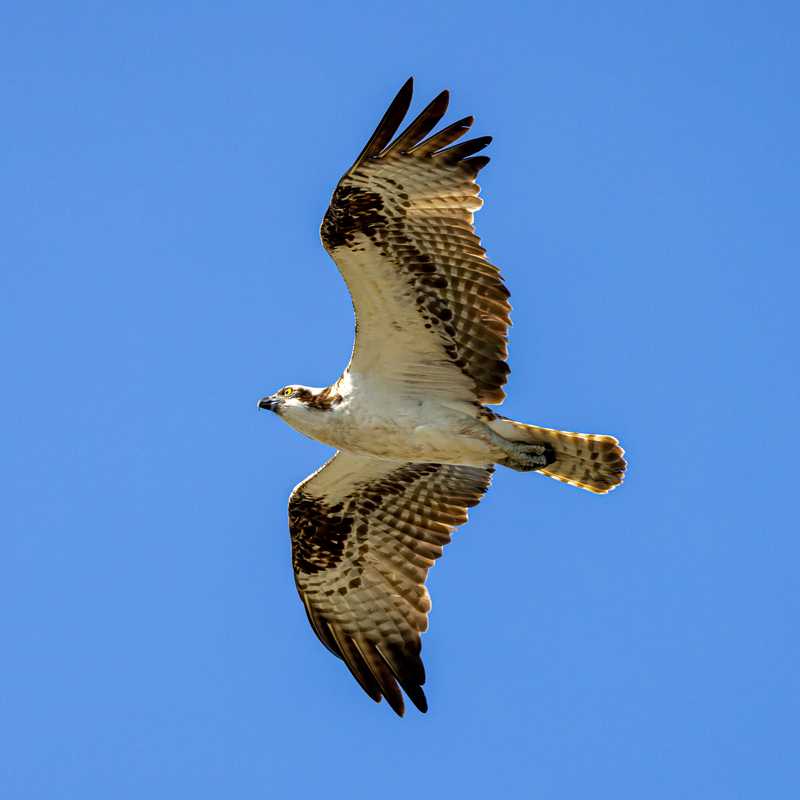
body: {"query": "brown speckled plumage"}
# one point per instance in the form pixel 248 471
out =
pixel 412 202
pixel 365 532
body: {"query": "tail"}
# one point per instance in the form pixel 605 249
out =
pixel 587 460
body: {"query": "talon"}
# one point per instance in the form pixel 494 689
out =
pixel 529 457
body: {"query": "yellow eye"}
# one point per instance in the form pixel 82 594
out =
pixel 287 392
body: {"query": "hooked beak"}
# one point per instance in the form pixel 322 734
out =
pixel 268 403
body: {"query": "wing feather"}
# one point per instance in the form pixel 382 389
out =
pixel 432 313
pixel 388 125
pixel 453 132
pixel 364 533
pixel 422 125
pixel 357 664
pixel 459 152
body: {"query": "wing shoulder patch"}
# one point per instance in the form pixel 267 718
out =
pixel 352 210
pixel 319 533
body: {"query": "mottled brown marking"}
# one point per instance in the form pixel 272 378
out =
pixel 352 210
pixel 318 536
pixel 322 401
pixel 486 414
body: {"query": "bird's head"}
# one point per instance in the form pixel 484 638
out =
pixel 286 399
pixel 299 405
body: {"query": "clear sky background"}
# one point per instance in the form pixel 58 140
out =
pixel 163 173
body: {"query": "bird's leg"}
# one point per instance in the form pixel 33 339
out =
pixel 519 456
pixel 528 457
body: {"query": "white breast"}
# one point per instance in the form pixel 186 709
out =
pixel 371 420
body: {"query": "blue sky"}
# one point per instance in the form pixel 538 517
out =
pixel 163 172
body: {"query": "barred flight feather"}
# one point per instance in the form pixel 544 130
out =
pixel 402 216
pixel 367 595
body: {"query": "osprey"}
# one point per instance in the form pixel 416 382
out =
pixel 416 443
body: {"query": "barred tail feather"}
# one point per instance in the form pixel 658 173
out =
pixel 587 460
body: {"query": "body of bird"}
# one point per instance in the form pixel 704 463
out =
pixel 373 421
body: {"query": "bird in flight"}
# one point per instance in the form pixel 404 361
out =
pixel 416 442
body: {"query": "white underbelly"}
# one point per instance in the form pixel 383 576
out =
pixel 423 444
pixel 435 436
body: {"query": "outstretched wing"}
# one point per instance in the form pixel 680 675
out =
pixel 431 311
pixel 365 532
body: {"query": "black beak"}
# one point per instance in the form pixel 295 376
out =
pixel 267 403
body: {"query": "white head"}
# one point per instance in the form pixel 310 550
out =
pixel 302 407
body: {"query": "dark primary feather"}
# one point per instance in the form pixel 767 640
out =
pixel 422 125
pixel 461 151
pixel 446 136
pixel 388 125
